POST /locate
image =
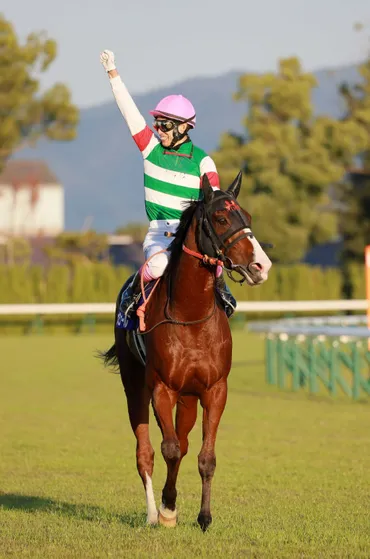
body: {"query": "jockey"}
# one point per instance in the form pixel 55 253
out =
pixel 173 171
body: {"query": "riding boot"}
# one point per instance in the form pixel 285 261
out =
pixel 227 298
pixel 128 295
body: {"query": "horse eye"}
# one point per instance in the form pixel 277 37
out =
pixel 222 221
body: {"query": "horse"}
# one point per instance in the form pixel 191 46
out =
pixel 188 343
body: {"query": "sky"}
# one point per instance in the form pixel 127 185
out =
pixel 160 42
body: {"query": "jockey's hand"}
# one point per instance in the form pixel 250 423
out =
pixel 107 59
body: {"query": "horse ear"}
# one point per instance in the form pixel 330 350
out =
pixel 207 189
pixel 234 187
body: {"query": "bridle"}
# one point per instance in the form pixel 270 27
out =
pixel 209 241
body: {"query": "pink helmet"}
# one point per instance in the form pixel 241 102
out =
pixel 176 107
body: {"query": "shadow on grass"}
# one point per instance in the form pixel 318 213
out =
pixel 31 503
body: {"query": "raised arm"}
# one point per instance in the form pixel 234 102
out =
pixel 141 133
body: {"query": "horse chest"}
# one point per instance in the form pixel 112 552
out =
pixel 193 375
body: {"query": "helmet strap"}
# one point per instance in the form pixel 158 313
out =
pixel 177 136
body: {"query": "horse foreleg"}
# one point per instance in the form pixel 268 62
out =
pixel 213 402
pixel 164 400
pixel 186 415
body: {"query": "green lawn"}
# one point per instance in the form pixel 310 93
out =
pixel 292 477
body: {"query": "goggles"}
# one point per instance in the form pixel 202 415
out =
pixel 165 125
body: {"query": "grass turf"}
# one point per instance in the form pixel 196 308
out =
pixel 292 476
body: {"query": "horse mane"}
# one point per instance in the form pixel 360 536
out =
pixel 175 248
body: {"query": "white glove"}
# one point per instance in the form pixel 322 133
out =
pixel 107 59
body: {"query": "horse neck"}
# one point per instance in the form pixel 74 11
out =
pixel 193 285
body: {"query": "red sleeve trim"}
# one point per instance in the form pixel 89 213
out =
pixel 143 138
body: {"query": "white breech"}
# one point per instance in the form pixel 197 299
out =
pixel 155 241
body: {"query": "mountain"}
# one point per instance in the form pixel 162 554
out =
pixel 102 169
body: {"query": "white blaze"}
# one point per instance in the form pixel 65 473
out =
pixel 152 514
pixel 261 258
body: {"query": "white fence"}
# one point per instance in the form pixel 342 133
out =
pixel 243 306
pixel 303 306
pixel 57 308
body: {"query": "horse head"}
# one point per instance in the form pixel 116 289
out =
pixel 224 232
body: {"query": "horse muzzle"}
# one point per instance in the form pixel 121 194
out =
pixel 252 273
pixel 258 273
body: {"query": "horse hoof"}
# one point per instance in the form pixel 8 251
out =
pixel 167 517
pixel 204 520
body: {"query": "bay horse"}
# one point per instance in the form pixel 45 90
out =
pixel 188 343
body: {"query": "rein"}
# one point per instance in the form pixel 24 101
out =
pixel 206 259
pixel 178 322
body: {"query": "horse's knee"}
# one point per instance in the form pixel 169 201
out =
pixel 207 465
pixel 171 450
pixel 145 462
pixel 157 265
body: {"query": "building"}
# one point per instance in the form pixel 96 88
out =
pixel 31 200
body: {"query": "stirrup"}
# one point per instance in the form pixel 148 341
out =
pixel 229 309
pixel 129 298
pixel 134 298
pixel 130 308
pixel 229 302
pixel 227 298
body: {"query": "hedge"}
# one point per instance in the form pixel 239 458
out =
pixel 302 282
pixel 81 283
pixel 100 282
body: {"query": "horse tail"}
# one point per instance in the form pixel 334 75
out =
pixel 109 357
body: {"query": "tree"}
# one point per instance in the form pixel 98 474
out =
pixel 26 115
pixel 355 226
pixel 355 196
pixel 288 160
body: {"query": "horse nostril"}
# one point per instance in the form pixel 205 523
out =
pixel 257 266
